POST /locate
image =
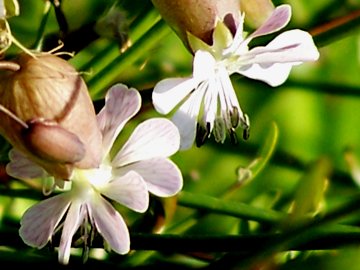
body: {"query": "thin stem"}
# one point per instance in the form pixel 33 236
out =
pixel 230 208
pixel 40 35
pixel 108 74
pixel 330 31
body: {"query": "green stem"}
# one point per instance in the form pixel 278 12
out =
pixel 330 237
pixel 230 208
pixel 100 81
pixel 300 235
pixel 40 34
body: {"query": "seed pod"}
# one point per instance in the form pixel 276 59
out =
pixel 198 17
pixel 48 87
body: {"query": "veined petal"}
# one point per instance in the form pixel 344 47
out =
pixel 272 64
pixel 39 221
pixel 121 104
pixel 294 46
pixel 227 91
pixel 129 190
pixel 22 168
pixel 74 218
pixel 110 225
pixel 211 102
pixel 156 137
pixel 273 75
pixel 170 92
pixel 278 19
pixel 162 176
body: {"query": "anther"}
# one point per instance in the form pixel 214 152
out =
pixel 234 117
pixel 202 134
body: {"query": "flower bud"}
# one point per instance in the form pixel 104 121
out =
pixel 48 114
pixel 256 11
pixel 198 17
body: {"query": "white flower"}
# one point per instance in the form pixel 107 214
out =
pixel 141 166
pixel 208 103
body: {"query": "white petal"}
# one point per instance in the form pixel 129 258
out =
pixel 238 38
pixel 272 64
pixel 162 176
pixel 211 102
pixel 74 218
pixel 110 225
pixel 129 190
pixel 39 222
pixel 121 104
pixel 227 95
pixel 187 115
pixel 203 66
pixel 186 123
pixel 294 46
pixel 170 92
pixel 22 168
pixel 279 18
pixel 273 75
pixel 156 137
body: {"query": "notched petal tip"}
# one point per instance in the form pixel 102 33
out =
pixel 121 104
pixel 278 19
pixel 21 167
pixel 156 137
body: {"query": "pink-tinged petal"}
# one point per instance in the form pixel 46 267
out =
pixel 74 218
pixel 110 225
pixel 272 64
pixel 238 38
pixel 121 104
pixel 162 176
pixel 294 46
pixel 273 75
pixel 156 137
pixel 170 92
pixel 39 221
pixel 23 168
pixel 279 18
pixel 129 190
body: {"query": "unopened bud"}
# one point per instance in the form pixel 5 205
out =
pixel 198 17
pixel 48 114
pixel 256 11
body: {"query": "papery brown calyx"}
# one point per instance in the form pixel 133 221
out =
pixel 198 17
pixel 56 123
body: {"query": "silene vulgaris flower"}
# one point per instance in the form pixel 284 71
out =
pixel 206 103
pixel 141 166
